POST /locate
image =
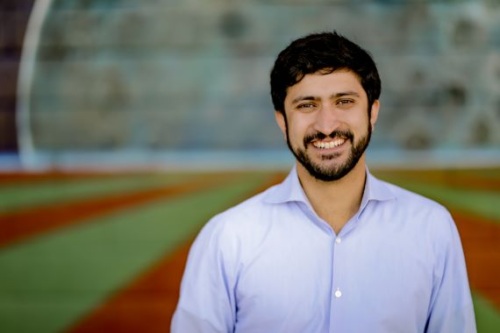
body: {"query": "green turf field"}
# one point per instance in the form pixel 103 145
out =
pixel 51 278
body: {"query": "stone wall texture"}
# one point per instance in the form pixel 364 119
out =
pixel 179 75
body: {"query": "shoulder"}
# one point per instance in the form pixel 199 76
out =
pixel 412 208
pixel 245 220
pixel 419 221
pixel 411 200
pixel 233 236
pixel 249 213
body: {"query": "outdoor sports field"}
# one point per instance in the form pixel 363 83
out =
pixel 104 252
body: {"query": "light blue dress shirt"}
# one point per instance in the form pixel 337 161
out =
pixel 271 265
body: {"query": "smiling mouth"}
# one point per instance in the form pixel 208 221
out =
pixel 329 144
pixel 321 141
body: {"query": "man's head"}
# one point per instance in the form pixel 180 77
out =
pixel 322 52
pixel 325 91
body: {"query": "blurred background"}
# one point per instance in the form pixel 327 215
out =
pixel 118 117
pixel 162 82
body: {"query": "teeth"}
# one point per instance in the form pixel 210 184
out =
pixel 328 145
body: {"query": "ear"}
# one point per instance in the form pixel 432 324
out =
pixel 374 113
pixel 281 121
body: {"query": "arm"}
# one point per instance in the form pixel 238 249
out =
pixel 206 301
pixel 451 306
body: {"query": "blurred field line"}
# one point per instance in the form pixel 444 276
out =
pixel 17 226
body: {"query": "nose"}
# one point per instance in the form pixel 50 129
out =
pixel 327 119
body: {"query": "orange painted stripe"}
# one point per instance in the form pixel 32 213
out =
pixel 26 177
pixel 450 178
pixel 19 226
pixel 145 306
pixel 480 240
pixel 148 303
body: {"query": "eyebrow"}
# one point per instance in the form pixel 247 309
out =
pixel 333 96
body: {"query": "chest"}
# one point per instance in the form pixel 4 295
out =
pixel 313 282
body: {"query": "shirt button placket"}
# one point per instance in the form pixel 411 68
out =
pixel 336 306
pixel 338 292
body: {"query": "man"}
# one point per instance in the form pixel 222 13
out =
pixel 331 249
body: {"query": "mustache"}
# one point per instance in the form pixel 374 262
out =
pixel 320 136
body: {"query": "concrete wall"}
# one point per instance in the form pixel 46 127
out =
pixel 160 75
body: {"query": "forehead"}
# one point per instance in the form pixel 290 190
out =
pixel 321 84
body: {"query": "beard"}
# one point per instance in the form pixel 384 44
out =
pixel 335 172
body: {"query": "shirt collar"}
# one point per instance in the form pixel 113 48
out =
pixel 291 190
pixel 288 191
pixel 375 190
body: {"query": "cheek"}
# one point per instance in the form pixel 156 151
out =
pixel 300 124
pixel 360 122
pixel 294 131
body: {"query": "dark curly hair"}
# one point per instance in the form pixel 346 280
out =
pixel 328 52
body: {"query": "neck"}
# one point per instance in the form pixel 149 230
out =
pixel 336 201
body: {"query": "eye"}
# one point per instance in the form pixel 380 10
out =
pixel 345 101
pixel 306 106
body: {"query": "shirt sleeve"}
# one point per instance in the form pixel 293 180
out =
pixel 451 304
pixel 206 302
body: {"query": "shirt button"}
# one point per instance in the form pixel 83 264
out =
pixel 338 240
pixel 338 293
